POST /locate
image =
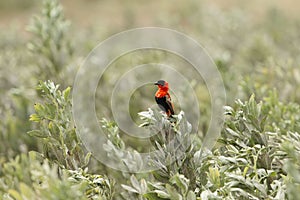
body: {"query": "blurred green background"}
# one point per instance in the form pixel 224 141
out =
pixel 117 14
pixel 255 45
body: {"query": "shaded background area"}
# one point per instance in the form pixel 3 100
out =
pixel 116 14
pixel 255 45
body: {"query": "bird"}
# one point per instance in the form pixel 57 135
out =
pixel 163 98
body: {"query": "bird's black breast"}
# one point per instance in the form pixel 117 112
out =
pixel 164 104
pixel 160 100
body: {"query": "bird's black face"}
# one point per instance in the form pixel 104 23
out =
pixel 160 82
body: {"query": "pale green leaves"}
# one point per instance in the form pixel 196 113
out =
pixel 56 127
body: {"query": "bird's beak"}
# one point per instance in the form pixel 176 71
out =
pixel 156 83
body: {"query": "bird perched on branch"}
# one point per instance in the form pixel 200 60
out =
pixel 163 98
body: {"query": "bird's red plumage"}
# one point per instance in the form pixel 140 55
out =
pixel 163 98
pixel 162 90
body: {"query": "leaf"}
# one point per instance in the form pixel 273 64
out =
pixel 15 194
pixel 34 155
pixel 137 158
pixel 135 183
pixel 66 93
pixel 129 188
pixel 39 108
pixel 240 191
pixel 146 115
pixel 143 186
pixel 232 132
pixel 87 158
pixel 191 196
pixel 162 194
pixel 227 160
pixel 157 185
pixel 26 191
pixel 54 130
pixel 252 105
pixel 245 171
pixel 239 178
pixel 153 196
pixel 144 124
pixel 35 118
pixel 261 188
pixel 180 181
pixel 174 195
pixel 37 133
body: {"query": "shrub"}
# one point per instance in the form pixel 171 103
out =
pixel 50 46
pixel 33 177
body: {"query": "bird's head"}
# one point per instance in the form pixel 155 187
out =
pixel 161 84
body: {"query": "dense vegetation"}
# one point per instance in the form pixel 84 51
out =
pixel 257 155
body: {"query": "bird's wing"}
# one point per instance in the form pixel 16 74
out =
pixel 168 95
pixel 171 107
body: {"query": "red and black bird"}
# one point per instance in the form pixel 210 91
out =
pixel 163 98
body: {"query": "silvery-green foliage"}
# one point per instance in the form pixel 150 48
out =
pixel 33 177
pixel 255 157
pixel 56 129
pixel 173 159
pixel 291 164
pixel 50 45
